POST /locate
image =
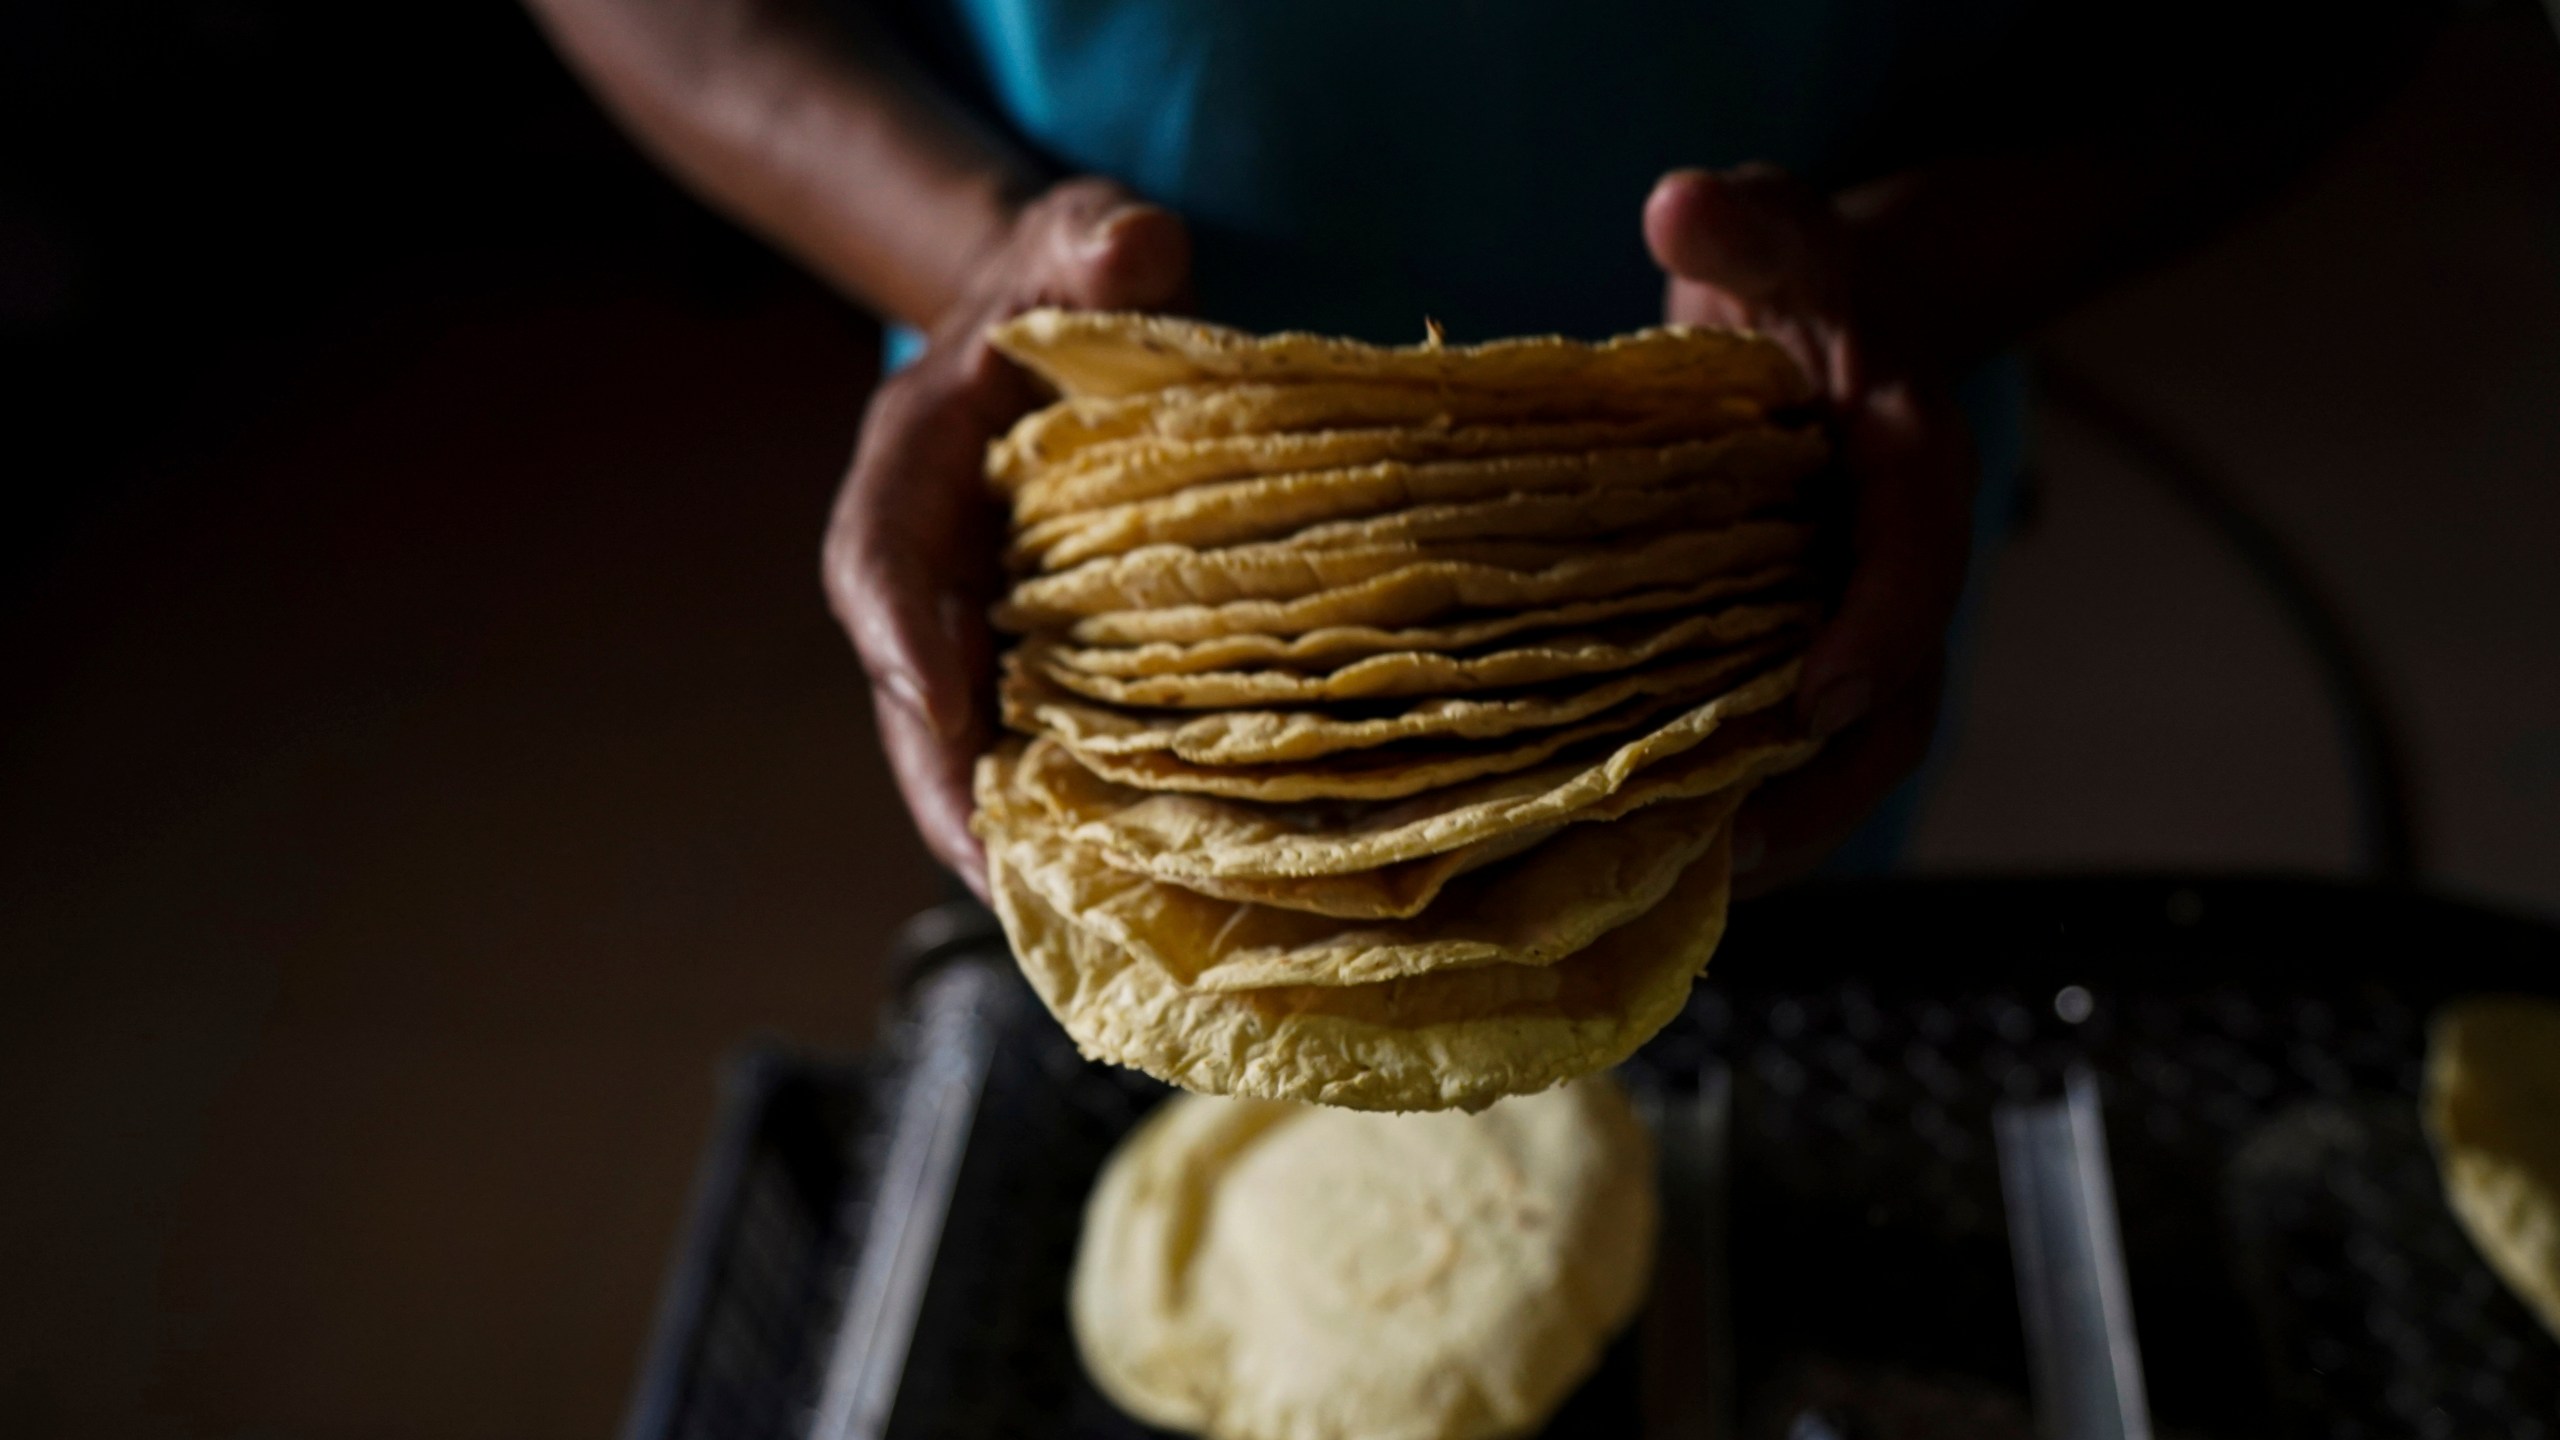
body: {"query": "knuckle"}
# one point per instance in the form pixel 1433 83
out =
pixel 902 396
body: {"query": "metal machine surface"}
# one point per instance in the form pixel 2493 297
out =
pixel 880 1248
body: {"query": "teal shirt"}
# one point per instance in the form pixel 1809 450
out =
pixel 1349 166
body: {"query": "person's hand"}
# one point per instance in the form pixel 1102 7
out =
pixel 1753 248
pixel 910 561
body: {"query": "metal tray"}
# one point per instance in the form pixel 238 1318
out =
pixel 2257 1043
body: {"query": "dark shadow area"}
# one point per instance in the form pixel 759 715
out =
pixel 426 750
pixel 210 207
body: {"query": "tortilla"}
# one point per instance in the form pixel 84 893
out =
pixel 1384 772
pixel 1167 576
pixel 1088 353
pixel 1189 839
pixel 1261 737
pixel 1426 590
pixel 1118 471
pixel 1345 644
pixel 1073 434
pixel 1453 1039
pixel 1534 909
pixel 1257 1271
pixel 1390 892
pixel 1411 672
pixel 1721 479
pixel 2493 1110
pixel 1680 505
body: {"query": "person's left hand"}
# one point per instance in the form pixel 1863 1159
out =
pixel 910 557
pixel 1754 249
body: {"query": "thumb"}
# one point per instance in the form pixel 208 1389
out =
pixel 1133 256
pixel 1754 249
pixel 1754 233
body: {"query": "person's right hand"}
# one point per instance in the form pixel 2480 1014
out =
pixel 911 555
pixel 1755 249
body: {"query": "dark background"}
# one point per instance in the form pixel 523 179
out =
pixel 201 197
pixel 426 751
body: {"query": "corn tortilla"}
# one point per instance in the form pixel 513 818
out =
pixel 1429 590
pixel 1085 353
pixel 1534 909
pixel 1720 480
pixel 1256 1271
pixel 1342 645
pixel 1410 672
pixel 1458 1039
pixel 1191 838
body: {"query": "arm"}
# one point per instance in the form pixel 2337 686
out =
pixel 821 139
pixel 831 145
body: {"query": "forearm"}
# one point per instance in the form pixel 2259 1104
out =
pixel 1962 255
pixel 827 144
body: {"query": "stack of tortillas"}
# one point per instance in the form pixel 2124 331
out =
pixel 1387 708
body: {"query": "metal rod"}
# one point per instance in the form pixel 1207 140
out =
pixel 955 1045
pixel 2075 1307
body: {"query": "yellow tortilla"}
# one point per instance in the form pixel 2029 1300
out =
pixel 1390 892
pixel 1724 478
pixel 1076 434
pixel 1118 471
pixel 1411 672
pixel 1343 645
pixel 1262 737
pixel 1535 909
pixel 1429 590
pixel 1300 516
pixel 1172 576
pixel 1456 1039
pixel 2493 1110
pixel 1189 839
pixel 1086 353
pixel 1384 772
pixel 1251 1270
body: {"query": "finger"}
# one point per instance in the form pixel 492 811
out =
pixel 1677 216
pixel 1687 302
pixel 1133 256
pixel 918 642
pixel 933 776
pixel 910 567
pixel 1794 822
pixel 909 554
pixel 1909 537
pixel 893 618
pixel 1754 233
pixel 1753 249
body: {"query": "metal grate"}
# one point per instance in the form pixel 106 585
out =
pixel 2257 1046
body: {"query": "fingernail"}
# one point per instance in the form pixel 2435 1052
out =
pixel 1841 704
pixel 1106 231
pixel 1750 847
